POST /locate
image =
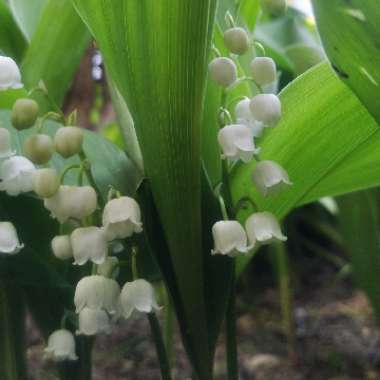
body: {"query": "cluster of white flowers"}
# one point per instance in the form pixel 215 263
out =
pixel 238 142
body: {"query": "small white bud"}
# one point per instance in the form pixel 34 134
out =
pixel 236 141
pixel 138 295
pixel 10 76
pixel 61 346
pixel 98 293
pixel 222 71
pixel 93 321
pixel 24 113
pixel 244 116
pixel 236 40
pixel 266 108
pixel 263 70
pixel 72 202
pixel 9 241
pixel 68 141
pixel 61 247
pixel 39 148
pixel 229 238
pixel 16 174
pixel 5 144
pixel 270 178
pixel 263 227
pixel 122 218
pixel 45 182
pixel 110 267
pixel 89 244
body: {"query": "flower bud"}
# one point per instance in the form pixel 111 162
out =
pixel 10 76
pixel 24 113
pixel 236 141
pixel 222 71
pixel 61 346
pixel 72 202
pixel 9 242
pixel 274 7
pixel 39 148
pixel 68 141
pixel 263 227
pixel 61 247
pixel 5 144
pixel 89 243
pixel 92 322
pixel 236 40
pixel 122 218
pixel 266 108
pixel 98 293
pixel 16 174
pixel 229 238
pixel 244 116
pixel 138 295
pixel 263 70
pixel 110 267
pixel 270 178
pixel 45 182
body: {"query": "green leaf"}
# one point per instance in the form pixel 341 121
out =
pixel 156 52
pixel 350 35
pixel 325 140
pixel 249 12
pixel 8 97
pixel 12 42
pixel 55 49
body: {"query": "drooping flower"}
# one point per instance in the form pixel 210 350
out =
pixel 266 108
pixel 236 40
pixel 263 227
pixel 222 71
pixel 122 218
pixel 236 141
pixel 269 177
pixel 137 295
pixel 9 241
pixel 61 247
pixel 89 244
pixel 61 346
pixel 229 238
pixel 110 267
pixel 10 76
pixel 93 321
pixel 244 116
pixel 5 144
pixel 45 182
pixel 39 148
pixel 16 174
pixel 263 70
pixel 68 141
pixel 98 293
pixel 72 202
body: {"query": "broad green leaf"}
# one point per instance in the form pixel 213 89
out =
pixel 162 79
pixel 325 135
pixel 55 49
pixel 249 12
pixel 27 14
pixel 350 35
pixel 8 97
pixel 12 42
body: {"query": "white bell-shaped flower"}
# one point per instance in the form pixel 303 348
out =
pixel 222 71
pixel 45 182
pixel 93 321
pixel 110 267
pixel 89 244
pixel 236 40
pixel 61 346
pixel 263 70
pixel 263 227
pixel 5 144
pixel 72 202
pixel 99 293
pixel 61 247
pixel 270 178
pixel 9 241
pixel 236 141
pixel 229 238
pixel 137 295
pixel 10 76
pixel 244 116
pixel 16 174
pixel 122 218
pixel 68 141
pixel 266 108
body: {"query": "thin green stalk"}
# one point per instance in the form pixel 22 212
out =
pixel 160 347
pixel 168 328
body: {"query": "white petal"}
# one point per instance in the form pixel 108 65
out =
pixel 9 242
pixel 10 76
pixel 222 71
pixel 266 108
pixel 5 144
pixel 92 322
pixel 61 346
pixel 263 70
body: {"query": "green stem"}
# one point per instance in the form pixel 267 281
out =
pixel 135 273
pixel 66 170
pixel 160 347
pixel 168 327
